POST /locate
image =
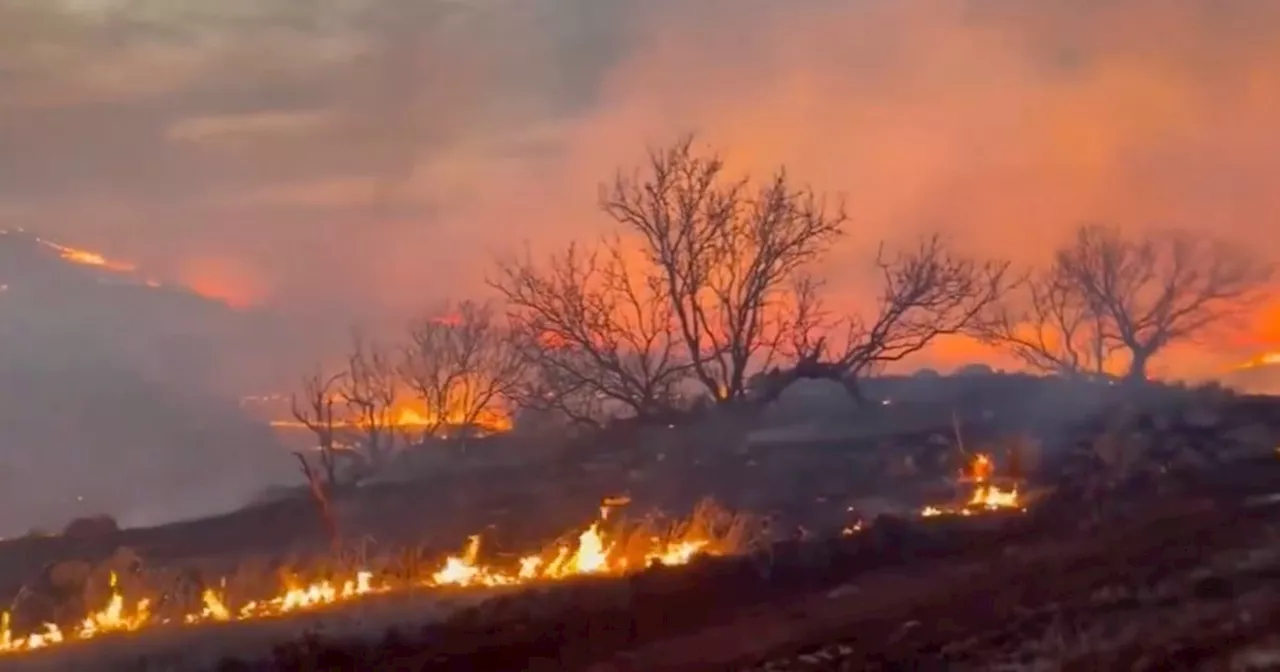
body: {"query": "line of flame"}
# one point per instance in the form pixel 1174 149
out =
pixel 593 554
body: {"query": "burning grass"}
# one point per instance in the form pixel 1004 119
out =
pixel 609 546
pixel 986 493
pixel 119 600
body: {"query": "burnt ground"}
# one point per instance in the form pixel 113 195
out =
pixel 1187 582
pixel 526 504
pixel 1169 583
pixel 1164 560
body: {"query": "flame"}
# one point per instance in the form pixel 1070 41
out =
pixel 594 552
pixel 488 421
pixel 986 495
pixel 87 258
pixel 1265 359
pixel 980 468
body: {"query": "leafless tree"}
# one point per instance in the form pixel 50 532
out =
pixel 1153 290
pixel 314 409
pixel 926 293
pixel 597 330
pixel 1051 327
pixel 726 251
pixel 554 389
pixel 370 390
pixel 462 365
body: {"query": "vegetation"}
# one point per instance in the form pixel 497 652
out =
pixel 703 293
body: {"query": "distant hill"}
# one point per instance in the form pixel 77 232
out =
pixel 115 395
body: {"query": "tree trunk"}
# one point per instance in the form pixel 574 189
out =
pixel 1138 366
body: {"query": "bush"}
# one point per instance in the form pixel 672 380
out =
pixel 975 370
pixel 93 527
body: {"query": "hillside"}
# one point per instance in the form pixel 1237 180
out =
pixel 114 393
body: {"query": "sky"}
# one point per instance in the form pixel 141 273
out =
pixel 359 160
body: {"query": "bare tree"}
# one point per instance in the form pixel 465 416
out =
pixel 315 411
pixel 370 390
pixel 1150 291
pixel 727 251
pixel 597 330
pixel 462 365
pixel 926 293
pixel 554 388
pixel 1052 328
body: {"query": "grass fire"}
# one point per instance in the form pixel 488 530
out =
pixel 633 336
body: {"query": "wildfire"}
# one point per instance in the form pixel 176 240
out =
pixel 593 552
pixel 1265 359
pixel 487 421
pixel 87 258
pixel 986 496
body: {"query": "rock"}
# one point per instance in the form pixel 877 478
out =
pixel 93 527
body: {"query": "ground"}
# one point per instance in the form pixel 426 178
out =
pixel 1122 570
pixel 1180 584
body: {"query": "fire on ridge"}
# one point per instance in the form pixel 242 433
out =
pixel 598 550
pixel 594 551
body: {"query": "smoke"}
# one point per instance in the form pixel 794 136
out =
pixel 357 154
pixel 348 161
pixel 1003 124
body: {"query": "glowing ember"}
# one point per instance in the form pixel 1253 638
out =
pixel 595 553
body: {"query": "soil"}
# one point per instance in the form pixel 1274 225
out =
pixel 1159 578
pixel 1181 583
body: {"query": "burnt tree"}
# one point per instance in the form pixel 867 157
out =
pixel 370 388
pixel 1152 290
pixel 1050 326
pixel 314 409
pixel 926 293
pixel 726 251
pixel 463 366
pixel 597 332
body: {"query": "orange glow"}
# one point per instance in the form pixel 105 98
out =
pixel 87 258
pixel 986 496
pixel 412 416
pixel 1265 359
pixel 225 280
pixel 1266 328
pixel 1003 123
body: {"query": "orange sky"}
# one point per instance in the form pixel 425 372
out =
pixel 1002 123
pixel 1005 126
